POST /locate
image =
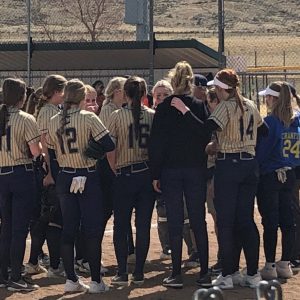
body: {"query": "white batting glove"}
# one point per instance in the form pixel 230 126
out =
pixel 82 181
pixel 281 174
pixel 74 185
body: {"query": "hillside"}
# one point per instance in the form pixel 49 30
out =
pixel 199 16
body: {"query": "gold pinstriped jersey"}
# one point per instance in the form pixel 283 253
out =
pixel 70 147
pixel 106 111
pixel 21 130
pixel 130 150
pixel 238 131
pixel 44 116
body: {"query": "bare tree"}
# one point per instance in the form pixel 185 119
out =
pixel 40 19
pixel 97 16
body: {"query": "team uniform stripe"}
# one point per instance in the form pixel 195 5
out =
pixel 130 150
pixel 21 130
pixel 82 125
pixel 238 131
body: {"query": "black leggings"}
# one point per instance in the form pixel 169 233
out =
pixel 52 235
pixel 274 201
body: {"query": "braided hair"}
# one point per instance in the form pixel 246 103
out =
pixel 75 92
pixel 135 89
pixel 52 83
pixel 13 94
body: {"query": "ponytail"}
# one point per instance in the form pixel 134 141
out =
pixel 239 100
pixel 75 92
pixel 282 108
pixel 3 119
pixel 41 102
pixel 136 109
pixel 135 88
pixel 64 121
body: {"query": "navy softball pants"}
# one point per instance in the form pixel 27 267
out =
pixel 235 187
pixel 132 190
pixel 85 210
pixel 274 201
pixel 192 183
pixel 17 196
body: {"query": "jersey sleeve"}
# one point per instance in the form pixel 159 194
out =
pixel 49 136
pixel 220 115
pixel 258 117
pixel 32 134
pixel 98 129
pixel 42 122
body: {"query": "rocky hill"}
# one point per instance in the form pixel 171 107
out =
pixel 251 16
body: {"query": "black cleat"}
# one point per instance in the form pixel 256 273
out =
pixel 174 282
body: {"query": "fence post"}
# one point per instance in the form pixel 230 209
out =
pixel 29 42
pixel 221 34
pixel 151 44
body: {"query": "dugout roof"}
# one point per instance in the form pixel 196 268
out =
pixel 106 55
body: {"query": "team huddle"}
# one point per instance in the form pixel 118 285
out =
pixel 74 155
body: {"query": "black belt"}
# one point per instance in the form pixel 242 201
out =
pixel 75 170
pixel 11 169
pixel 238 155
pixel 133 169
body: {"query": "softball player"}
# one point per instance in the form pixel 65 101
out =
pixel 114 94
pixel 130 128
pixel 211 103
pixel 19 134
pixel 115 98
pixel 278 154
pixel 295 262
pixel 80 198
pixel 178 162
pixel 49 228
pixel 236 121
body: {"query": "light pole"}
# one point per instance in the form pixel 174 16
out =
pixel 221 23
pixel 151 43
pixel 28 42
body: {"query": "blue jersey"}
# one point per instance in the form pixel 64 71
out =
pixel 281 148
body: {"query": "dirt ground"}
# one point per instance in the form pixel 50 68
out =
pixel 155 271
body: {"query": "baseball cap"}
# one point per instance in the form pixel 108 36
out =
pixel 268 91
pixel 200 80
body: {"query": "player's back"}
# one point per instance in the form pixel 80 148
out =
pixel 70 146
pixel 130 149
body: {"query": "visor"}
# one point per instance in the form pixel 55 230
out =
pixel 268 91
pixel 219 83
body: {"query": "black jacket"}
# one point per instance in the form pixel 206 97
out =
pixel 173 141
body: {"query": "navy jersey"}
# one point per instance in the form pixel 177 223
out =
pixel 281 148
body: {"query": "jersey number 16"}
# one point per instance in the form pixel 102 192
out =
pixel 144 131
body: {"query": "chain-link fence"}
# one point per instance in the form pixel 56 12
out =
pixel 87 76
pixel 260 36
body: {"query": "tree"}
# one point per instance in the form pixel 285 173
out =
pixel 39 18
pixel 97 16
